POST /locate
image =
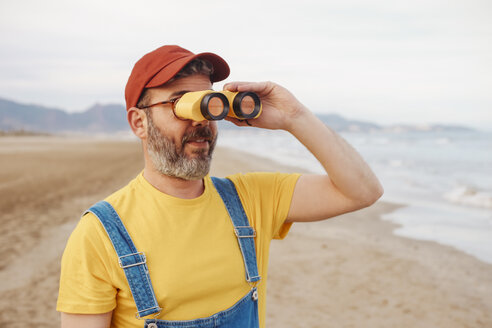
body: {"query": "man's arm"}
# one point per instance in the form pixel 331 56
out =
pixel 349 184
pixel 71 320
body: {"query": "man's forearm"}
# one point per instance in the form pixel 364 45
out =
pixel 343 164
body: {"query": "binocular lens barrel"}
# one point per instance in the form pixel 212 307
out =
pixel 246 105
pixel 214 106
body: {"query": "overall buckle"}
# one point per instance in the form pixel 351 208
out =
pixel 131 264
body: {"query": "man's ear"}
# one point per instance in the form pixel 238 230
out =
pixel 138 122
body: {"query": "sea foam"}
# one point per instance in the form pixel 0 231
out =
pixel 469 196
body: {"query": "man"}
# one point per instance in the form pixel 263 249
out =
pixel 194 266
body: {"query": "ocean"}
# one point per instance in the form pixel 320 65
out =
pixel 443 178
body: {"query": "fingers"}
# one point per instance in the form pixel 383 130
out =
pixel 258 87
pixel 234 86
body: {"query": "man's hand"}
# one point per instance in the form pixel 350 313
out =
pixel 279 106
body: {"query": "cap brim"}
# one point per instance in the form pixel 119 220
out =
pixel 221 69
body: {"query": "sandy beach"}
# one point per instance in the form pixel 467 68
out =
pixel 349 271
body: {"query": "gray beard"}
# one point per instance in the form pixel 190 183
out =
pixel 170 161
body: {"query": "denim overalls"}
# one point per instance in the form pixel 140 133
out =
pixel 243 314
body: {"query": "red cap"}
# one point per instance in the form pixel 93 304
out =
pixel 161 65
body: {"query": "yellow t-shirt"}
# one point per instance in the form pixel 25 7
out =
pixel 193 256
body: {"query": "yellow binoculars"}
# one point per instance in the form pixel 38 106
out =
pixel 214 105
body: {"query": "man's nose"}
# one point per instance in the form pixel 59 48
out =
pixel 200 123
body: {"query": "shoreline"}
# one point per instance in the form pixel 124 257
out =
pixel 347 271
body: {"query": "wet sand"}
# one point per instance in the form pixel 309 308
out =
pixel 349 271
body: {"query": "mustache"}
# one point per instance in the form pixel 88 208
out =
pixel 199 133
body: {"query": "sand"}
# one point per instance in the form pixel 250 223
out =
pixel 349 271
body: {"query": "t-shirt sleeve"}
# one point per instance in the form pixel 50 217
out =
pixel 85 279
pixel 266 198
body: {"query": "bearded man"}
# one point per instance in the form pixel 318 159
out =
pixel 178 248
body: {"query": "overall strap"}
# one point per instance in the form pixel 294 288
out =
pixel 244 232
pixel 130 260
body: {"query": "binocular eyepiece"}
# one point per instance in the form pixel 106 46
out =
pixel 212 105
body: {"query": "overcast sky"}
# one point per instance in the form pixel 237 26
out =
pixel 385 61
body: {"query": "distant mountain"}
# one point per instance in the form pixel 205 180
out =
pixel 334 121
pixel 339 123
pixel 98 118
pixel 112 118
pixel 402 128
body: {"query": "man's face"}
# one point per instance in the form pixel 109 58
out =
pixel 179 148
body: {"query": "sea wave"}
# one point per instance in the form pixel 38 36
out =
pixel 466 195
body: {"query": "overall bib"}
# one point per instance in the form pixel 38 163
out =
pixel 243 314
